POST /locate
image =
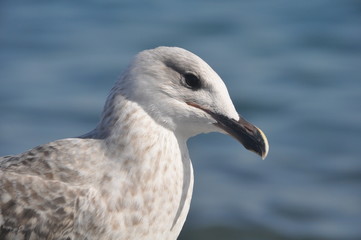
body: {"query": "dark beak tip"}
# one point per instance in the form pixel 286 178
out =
pixel 250 136
pixel 255 142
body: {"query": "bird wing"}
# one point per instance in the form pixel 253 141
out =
pixel 37 200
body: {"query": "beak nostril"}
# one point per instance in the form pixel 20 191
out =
pixel 249 129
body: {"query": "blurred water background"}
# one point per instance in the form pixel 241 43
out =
pixel 292 67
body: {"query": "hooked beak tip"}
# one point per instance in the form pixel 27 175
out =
pixel 266 146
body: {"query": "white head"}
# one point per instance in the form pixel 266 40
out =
pixel 184 94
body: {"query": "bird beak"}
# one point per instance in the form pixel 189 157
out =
pixel 251 137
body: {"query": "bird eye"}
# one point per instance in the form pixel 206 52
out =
pixel 192 81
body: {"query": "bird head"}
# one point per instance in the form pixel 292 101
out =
pixel 183 93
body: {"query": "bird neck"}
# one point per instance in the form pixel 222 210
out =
pixel 126 125
pixel 152 156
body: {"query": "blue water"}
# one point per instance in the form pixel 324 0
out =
pixel 293 68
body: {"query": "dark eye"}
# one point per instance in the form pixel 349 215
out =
pixel 192 81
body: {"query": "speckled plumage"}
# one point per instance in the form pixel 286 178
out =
pixel 131 177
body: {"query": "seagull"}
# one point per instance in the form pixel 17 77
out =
pixel 131 177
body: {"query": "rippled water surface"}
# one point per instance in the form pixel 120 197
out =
pixel 292 67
